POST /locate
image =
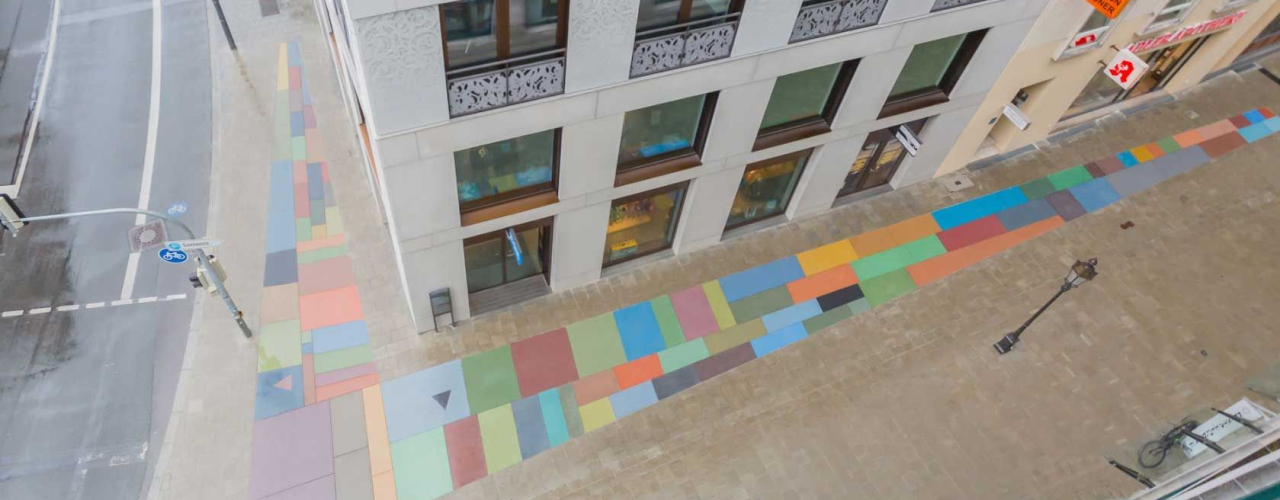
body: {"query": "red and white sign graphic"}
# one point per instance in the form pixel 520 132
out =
pixel 1194 30
pixel 1085 40
pixel 1126 69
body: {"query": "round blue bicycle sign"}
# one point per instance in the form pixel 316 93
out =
pixel 173 256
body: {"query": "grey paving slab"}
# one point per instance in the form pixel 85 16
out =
pixel 347 413
pixel 674 382
pixel 1065 204
pixel 1183 160
pixel 1026 213
pixel 530 429
pixel 282 268
pixel 352 477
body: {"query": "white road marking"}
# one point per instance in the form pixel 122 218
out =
pixel 176 296
pixel 147 300
pixel 40 310
pixel 71 307
pixel 94 305
pixel 10 314
pixel 122 302
pixel 149 160
pixel 46 70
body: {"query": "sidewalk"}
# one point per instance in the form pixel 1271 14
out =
pixel 902 400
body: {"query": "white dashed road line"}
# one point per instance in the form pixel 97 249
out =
pixel 92 305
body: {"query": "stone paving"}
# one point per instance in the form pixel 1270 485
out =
pixel 904 401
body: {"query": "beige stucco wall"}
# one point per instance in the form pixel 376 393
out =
pixel 1058 83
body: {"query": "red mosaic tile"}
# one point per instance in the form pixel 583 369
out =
pixel 544 361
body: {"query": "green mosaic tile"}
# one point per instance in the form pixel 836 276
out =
pixel 343 358
pixel 303 228
pixel 596 344
pixel 734 336
pixel 279 345
pixel 322 254
pixel 672 334
pixel 881 263
pixel 498 437
pixel 306 337
pixel 1069 177
pixel 569 406
pixel 333 219
pixel 675 358
pixel 1168 145
pixel 299 148
pixel 859 306
pixel 826 319
pixel 421 465
pixel 1038 188
pixel 925 248
pixel 760 304
pixel 886 287
pixel 490 378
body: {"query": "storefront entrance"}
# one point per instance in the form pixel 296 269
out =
pixel 643 223
pixel 508 256
pixel 878 160
pixel 1164 65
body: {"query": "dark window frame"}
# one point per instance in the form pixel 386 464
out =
pixel 671 161
pixel 502 32
pixel 686 11
pixel 548 223
pixel 882 137
pixel 809 127
pixel 807 153
pixel 517 194
pixel 679 186
pixel 938 94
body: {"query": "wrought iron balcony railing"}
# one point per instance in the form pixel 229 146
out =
pixel 508 82
pixel 836 16
pixel 683 45
pixel 948 4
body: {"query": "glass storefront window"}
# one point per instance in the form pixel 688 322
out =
pixel 800 96
pixel 494 259
pixel 642 224
pixel 927 65
pixel 506 169
pixel 766 188
pixel 879 159
pixel 657 130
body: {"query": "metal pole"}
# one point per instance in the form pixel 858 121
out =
pixel 236 313
pixel 1137 476
pixel 1065 286
pixel 226 30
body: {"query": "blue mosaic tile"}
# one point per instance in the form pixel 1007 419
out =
pixel 761 278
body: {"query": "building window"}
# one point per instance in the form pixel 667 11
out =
pixel 804 104
pixel 661 139
pixel 507 170
pixel 1231 4
pixel 675 33
pixel 502 52
pixel 1172 13
pixel 1091 34
pixel 484 31
pixel 766 188
pixel 931 72
pixel 507 256
pixel 878 160
pixel 642 224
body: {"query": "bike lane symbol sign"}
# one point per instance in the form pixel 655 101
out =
pixel 173 256
pixel 177 209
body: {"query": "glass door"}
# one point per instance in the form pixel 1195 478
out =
pixel 878 160
pixel 507 256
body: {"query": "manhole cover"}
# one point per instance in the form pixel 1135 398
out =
pixel 147 236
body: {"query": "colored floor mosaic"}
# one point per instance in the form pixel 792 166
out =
pixel 452 424
pixel 314 344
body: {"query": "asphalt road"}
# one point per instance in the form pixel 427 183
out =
pixel 85 393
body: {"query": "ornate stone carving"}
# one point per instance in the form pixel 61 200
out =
pixel 947 4
pixel 658 54
pixel 399 47
pixel 535 81
pixel 816 20
pixel 860 13
pixel 835 17
pixel 477 93
pixel 709 44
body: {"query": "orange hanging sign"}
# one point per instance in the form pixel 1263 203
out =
pixel 1109 8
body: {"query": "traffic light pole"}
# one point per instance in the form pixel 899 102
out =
pixel 203 259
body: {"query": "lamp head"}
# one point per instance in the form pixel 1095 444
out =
pixel 1082 271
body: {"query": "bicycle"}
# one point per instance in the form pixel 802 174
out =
pixel 1153 452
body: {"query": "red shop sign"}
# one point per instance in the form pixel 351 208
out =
pixel 1185 32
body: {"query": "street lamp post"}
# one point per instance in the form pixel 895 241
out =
pixel 1080 272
